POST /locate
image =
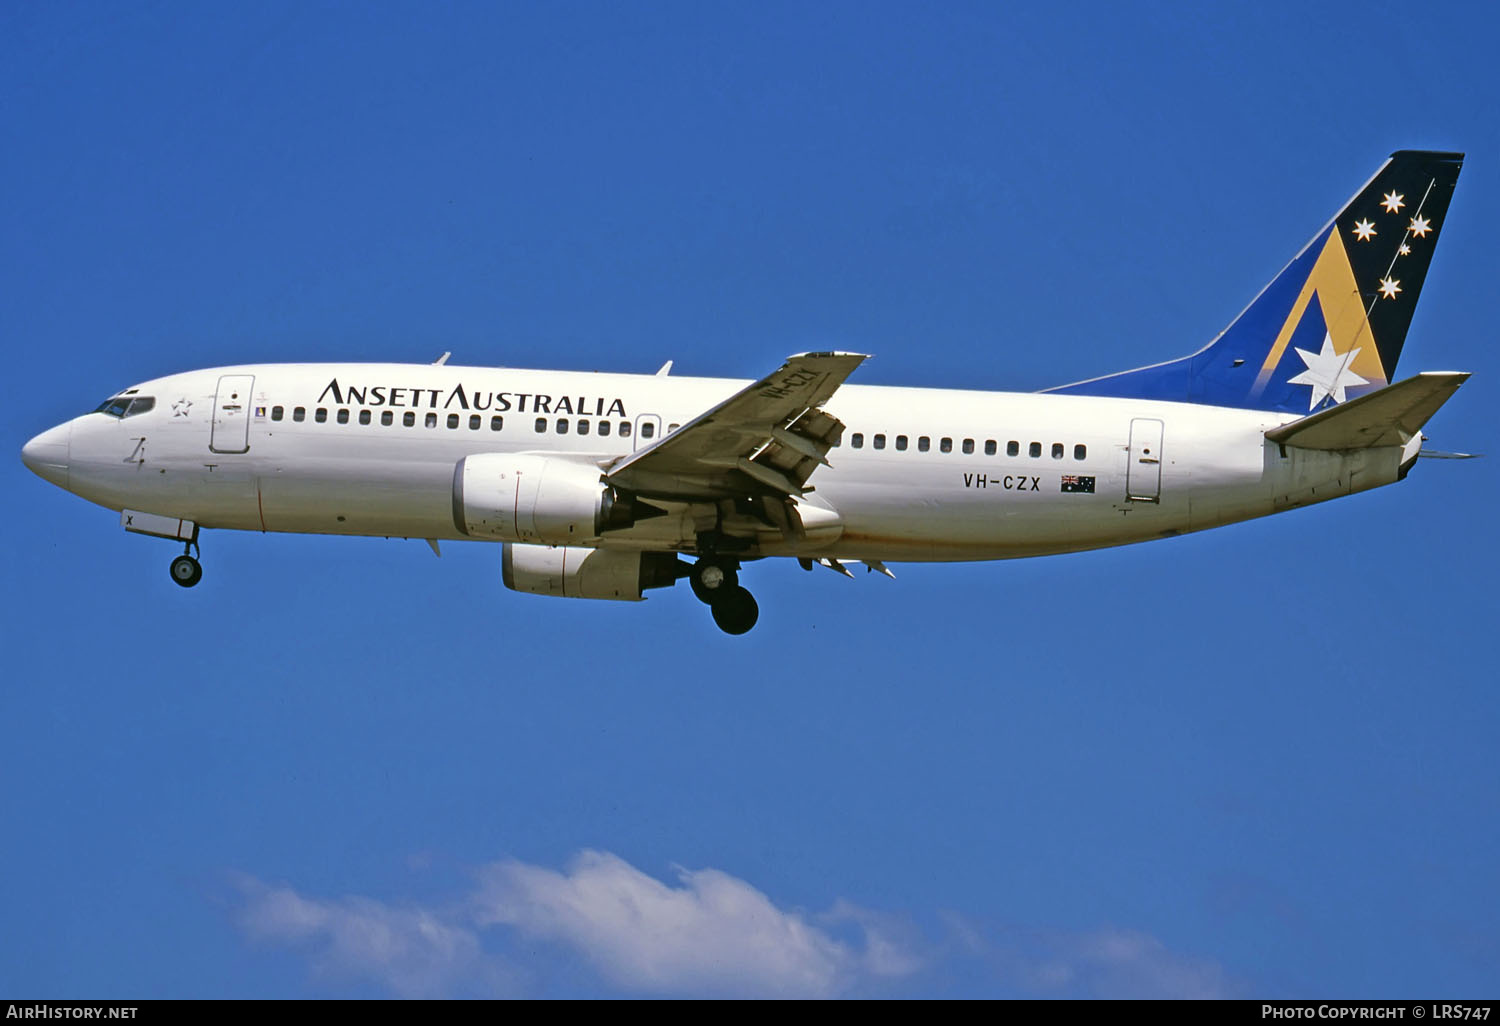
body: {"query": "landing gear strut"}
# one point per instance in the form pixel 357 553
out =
pixel 716 582
pixel 186 570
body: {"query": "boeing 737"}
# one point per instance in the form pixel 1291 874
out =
pixel 604 486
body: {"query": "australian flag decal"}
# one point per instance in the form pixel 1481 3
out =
pixel 1074 483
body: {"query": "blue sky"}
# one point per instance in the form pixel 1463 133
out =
pixel 1255 761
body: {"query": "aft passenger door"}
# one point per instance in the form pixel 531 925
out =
pixel 1143 473
pixel 231 425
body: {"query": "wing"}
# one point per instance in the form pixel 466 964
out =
pixel 766 439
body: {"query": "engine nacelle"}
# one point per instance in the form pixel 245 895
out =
pixel 535 499
pixel 585 573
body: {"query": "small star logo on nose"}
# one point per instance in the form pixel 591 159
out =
pixel 180 407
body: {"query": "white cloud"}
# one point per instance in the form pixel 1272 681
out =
pixel 712 934
pixel 413 952
pixel 892 947
pixel 707 933
pixel 1102 963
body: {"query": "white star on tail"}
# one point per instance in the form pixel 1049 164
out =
pixel 1363 230
pixel 1393 202
pixel 1420 226
pixel 1405 249
pixel 1328 373
pixel 1389 288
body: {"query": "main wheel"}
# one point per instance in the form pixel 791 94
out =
pixel 735 611
pixel 186 571
pixel 710 580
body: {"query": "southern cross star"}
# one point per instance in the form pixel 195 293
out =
pixel 1389 288
pixel 1363 230
pixel 1393 202
pixel 1420 226
pixel 1327 372
pixel 1404 250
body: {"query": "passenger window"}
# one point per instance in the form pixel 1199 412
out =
pixel 968 446
pixel 672 427
pixel 387 418
pixel 604 428
pixel 321 416
pixel 1012 448
pixel 878 442
pixel 1057 450
pixel 648 429
pixel 624 429
pixel 408 419
pixel 1080 452
pixel 299 415
pixel 475 422
pixel 430 420
pixel 276 412
pixel 364 416
pixel 496 423
pixel 946 445
pixel 990 448
pixel 343 416
pixel 562 425
pixel 857 441
pixel 541 425
pixel 1035 449
pixel 452 420
pixel 900 443
pixel 924 443
pixel 583 427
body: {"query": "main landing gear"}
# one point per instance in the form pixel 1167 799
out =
pixel 716 582
pixel 186 570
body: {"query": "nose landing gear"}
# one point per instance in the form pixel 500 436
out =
pixel 185 570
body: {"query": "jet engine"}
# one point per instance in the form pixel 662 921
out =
pixel 537 499
pixel 586 573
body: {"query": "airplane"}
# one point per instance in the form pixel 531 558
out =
pixel 605 486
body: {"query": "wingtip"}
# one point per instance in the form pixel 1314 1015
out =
pixel 831 354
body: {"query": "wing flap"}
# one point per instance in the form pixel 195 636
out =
pixel 1390 416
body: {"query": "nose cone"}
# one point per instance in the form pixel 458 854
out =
pixel 46 455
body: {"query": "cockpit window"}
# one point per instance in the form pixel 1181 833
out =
pixel 125 405
pixel 115 406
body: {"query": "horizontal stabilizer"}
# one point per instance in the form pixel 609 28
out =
pixel 1391 416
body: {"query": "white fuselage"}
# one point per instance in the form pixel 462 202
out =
pixel 375 448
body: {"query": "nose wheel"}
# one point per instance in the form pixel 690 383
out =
pixel 186 571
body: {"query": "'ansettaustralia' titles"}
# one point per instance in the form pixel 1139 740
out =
pixel 460 398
